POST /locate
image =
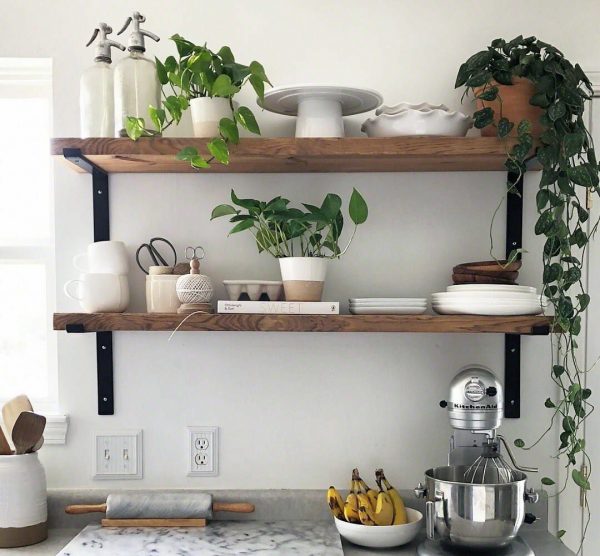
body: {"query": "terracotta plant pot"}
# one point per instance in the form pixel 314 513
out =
pixel 303 277
pixel 515 106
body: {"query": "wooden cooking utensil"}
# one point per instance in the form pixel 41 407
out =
pixel 5 449
pixel 27 431
pixel 11 411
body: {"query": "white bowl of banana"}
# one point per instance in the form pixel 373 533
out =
pixel 381 536
pixel 373 518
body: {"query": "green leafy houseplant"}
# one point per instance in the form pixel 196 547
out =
pixel 199 72
pixel 285 231
pixel 569 172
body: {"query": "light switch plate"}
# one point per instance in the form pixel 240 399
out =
pixel 203 452
pixel 118 455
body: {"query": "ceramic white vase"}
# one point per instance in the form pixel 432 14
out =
pixel 23 507
pixel 303 277
pixel 207 112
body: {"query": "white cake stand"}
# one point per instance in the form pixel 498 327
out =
pixel 320 107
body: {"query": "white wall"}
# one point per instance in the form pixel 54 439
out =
pixel 296 410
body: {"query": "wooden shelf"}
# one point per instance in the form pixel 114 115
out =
pixel 286 154
pixel 108 322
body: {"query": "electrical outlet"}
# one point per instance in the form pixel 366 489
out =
pixel 203 451
pixel 118 455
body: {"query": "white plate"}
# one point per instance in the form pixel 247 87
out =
pixel 382 536
pixel 390 304
pixel 354 100
pixel 490 288
pixel 491 295
pixel 388 310
pixel 512 309
pixel 376 305
pixel 388 300
pixel 489 301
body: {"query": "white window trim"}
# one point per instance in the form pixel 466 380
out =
pixel 35 74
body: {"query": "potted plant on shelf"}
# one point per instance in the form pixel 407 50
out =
pixel 206 82
pixel 557 90
pixel 302 240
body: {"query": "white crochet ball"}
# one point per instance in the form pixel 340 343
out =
pixel 194 288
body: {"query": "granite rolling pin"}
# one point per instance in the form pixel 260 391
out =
pixel 159 509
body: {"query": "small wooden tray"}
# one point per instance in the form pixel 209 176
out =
pixel 106 522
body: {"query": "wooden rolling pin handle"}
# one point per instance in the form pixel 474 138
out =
pixel 85 508
pixel 237 507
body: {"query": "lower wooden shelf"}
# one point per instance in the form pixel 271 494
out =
pixel 155 322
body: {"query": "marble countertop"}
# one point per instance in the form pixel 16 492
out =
pixel 306 538
pixel 229 537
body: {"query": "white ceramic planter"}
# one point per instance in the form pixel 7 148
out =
pixel 303 277
pixel 23 503
pixel 207 113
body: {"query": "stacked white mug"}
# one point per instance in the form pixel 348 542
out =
pixel 102 287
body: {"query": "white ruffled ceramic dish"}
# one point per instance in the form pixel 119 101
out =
pixel 254 289
pixel 415 122
pixel 403 106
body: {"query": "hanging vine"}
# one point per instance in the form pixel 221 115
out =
pixel 569 175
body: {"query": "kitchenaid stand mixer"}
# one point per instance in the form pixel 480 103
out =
pixel 476 503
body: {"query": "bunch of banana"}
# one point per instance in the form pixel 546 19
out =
pixel 400 517
pixel 366 505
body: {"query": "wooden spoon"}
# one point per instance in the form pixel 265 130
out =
pixel 11 411
pixel 27 431
pixel 4 445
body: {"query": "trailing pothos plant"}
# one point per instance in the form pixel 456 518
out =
pixel 569 174
pixel 285 231
pixel 199 72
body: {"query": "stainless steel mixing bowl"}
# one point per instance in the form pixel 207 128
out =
pixel 473 515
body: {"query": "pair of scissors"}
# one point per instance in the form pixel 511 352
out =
pixel 194 253
pixel 157 258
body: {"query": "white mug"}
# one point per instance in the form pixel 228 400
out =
pixel 108 257
pixel 161 293
pixel 100 293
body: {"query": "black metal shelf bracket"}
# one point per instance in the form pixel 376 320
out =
pixel 512 342
pixel 104 351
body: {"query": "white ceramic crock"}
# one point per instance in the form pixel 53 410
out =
pixel 207 112
pixel 161 293
pixel 23 503
pixel 303 277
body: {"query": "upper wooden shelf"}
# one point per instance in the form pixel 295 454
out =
pixel 105 322
pixel 287 154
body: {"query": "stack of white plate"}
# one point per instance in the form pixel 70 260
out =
pixel 388 305
pixel 488 299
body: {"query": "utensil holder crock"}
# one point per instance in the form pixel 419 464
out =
pixel 23 502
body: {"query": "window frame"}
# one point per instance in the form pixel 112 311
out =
pixel 32 78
